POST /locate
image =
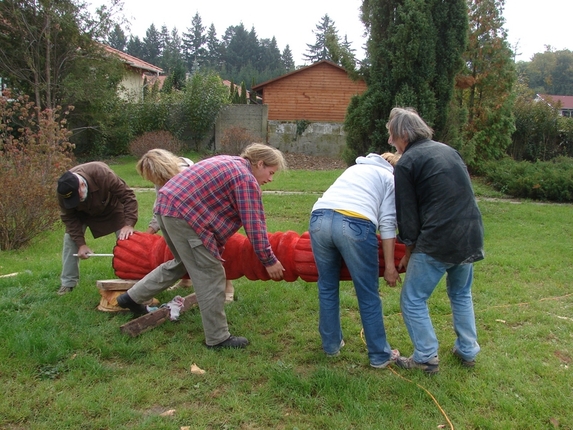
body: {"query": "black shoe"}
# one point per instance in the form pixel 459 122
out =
pixel 465 363
pixel 232 342
pixel 127 302
pixel 65 290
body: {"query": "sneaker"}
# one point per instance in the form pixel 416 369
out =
pixel 430 367
pixel 231 342
pixel 393 357
pixel 465 363
pixel 126 302
pixel 337 353
pixel 65 290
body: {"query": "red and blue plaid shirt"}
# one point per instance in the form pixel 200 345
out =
pixel 217 196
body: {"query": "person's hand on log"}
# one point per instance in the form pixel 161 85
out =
pixel 125 232
pixel 276 271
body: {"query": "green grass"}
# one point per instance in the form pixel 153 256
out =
pixel 66 365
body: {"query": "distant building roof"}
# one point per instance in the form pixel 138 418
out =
pixel 134 61
pixel 565 101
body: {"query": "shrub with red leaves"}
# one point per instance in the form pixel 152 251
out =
pixel 235 139
pixel 155 139
pixel 34 152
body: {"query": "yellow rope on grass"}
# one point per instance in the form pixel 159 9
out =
pixel 418 385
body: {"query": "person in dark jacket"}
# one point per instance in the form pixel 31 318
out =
pixel 441 225
pixel 91 195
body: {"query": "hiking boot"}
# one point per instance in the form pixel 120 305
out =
pixel 231 342
pixel 393 357
pixel 465 363
pixel 65 290
pixel 337 353
pixel 127 302
pixel 430 367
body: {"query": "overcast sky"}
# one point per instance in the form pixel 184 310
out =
pixel 531 24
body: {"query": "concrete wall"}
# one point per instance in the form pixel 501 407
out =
pixel 315 138
pixel 251 117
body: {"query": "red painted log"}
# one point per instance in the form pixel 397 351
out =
pixel 141 253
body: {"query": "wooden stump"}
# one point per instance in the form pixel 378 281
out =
pixel 110 289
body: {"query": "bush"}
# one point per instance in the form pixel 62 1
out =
pixel 235 139
pixel 34 152
pixel 551 180
pixel 155 139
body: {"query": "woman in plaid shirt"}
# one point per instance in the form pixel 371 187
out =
pixel 198 210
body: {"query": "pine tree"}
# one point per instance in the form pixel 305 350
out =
pixel 214 49
pixel 319 50
pixel 238 52
pixel 403 47
pixel 135 47
pixel 288 61
pixel 152 45
pixel 243 98
pixel 117 38
pixel 194 43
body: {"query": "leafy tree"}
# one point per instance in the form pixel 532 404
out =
pixel 550 72
pixel 490 76
pixel 202 99
pixel 93 91
pixel 536 130
pixel 403 48
pixel 41 42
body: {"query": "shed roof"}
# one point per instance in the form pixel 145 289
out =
pixel 287 75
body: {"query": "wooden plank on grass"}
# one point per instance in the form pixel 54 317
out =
pixel 115 284
pixel 153 319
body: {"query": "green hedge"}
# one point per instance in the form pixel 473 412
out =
pixel 541 180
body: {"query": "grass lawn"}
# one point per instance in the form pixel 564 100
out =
pixel 66 365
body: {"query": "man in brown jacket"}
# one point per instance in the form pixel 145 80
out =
pixel 91 195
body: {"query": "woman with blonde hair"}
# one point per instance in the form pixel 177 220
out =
pixel 159 166
pixel 198 211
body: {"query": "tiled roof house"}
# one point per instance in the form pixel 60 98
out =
pixel 564 103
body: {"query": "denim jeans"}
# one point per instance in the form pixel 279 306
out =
pixel 336 237
pixel 422 276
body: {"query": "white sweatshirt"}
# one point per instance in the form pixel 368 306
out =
pixel 366 188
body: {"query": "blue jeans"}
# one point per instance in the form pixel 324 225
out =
pixel 335 237
pixel 422 276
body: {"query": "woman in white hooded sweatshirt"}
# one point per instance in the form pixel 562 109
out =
pixel 343 226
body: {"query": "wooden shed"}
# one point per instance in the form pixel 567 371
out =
pixel 317 93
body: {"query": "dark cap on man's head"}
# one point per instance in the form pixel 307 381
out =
pixel 68 189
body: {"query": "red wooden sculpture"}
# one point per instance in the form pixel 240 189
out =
pixel 142 252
